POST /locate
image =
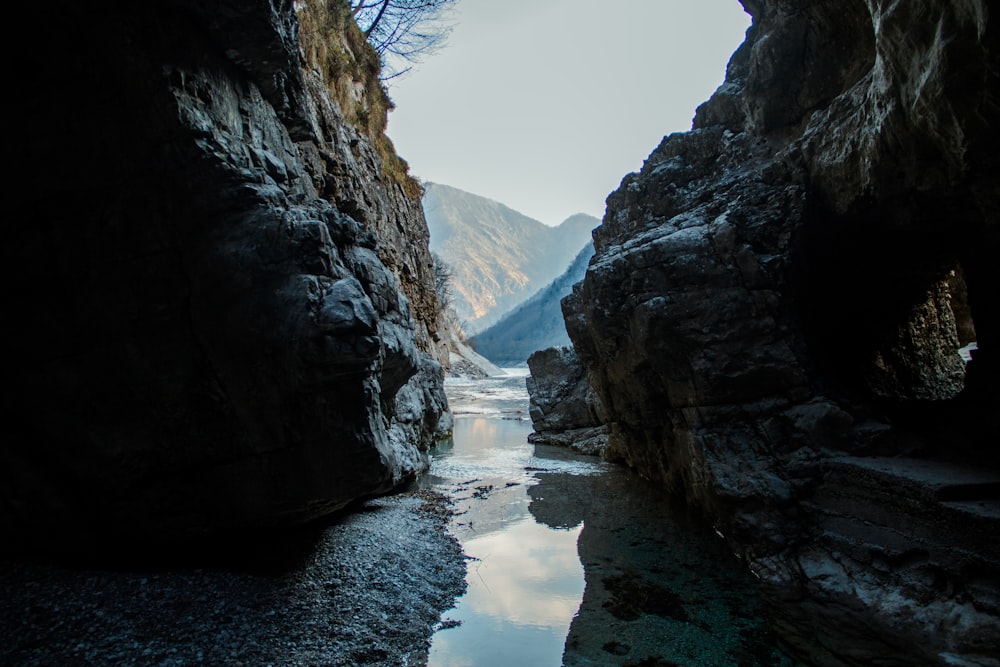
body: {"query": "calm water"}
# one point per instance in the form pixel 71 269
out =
pixel 573 561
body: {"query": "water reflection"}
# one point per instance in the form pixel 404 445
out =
pixel 528 562
pixel 661 589
pixel 525 585
pixel 576 562
pixel 525 580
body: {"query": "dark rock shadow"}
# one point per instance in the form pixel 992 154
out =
pixel 661 588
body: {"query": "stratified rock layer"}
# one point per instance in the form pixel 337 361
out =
pixel 779 295
pixel 226 317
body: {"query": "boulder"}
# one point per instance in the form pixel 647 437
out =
pixel 563 407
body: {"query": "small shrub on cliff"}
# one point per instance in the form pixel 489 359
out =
pixel 334 46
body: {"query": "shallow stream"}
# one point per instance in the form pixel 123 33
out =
pixel 574 561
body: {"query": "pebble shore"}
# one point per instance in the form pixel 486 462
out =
pixel 368 588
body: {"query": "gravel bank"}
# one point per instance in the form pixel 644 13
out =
pixel 367 589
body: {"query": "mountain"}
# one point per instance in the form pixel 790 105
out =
pixel 498 257
pixel 536 324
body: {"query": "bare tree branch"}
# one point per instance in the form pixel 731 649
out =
pixel 403 31
pixel 378 17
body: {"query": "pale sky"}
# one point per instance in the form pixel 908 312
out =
pixel 545 105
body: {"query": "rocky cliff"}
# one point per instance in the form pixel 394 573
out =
pixel 225 308
pixel 774 312
pixel 563 406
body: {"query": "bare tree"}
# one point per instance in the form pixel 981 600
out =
pixel 403 31
pixel 443 277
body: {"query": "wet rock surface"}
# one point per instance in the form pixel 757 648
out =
pixel 785 288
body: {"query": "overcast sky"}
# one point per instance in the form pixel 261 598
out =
pixel 544 105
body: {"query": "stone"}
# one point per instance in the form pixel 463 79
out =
pixel 563 407
pixel 229 321
pixel 787 286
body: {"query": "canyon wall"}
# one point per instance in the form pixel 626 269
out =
pixel 225 317
pixel 774 314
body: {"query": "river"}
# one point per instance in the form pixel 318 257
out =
pixel 574 561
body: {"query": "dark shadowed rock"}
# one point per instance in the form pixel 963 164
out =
pixel 228 320
pixel 563 406
pixel 780 294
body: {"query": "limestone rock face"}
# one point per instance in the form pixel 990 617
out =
pixel 788 284
pixel 564 408
pixel 226 317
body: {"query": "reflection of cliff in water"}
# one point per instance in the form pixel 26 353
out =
pixel 524 579
pixel 661 588
pixel 575 561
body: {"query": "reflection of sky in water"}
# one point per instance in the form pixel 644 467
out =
pixel 525 580
pixel 489 447
pixel 525 585
pixel 527 514
pixel 504 396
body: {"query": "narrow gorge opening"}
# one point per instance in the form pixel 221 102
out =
pixel 228 328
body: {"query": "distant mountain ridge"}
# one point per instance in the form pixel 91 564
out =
pixel 498 257
pixel 537 323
